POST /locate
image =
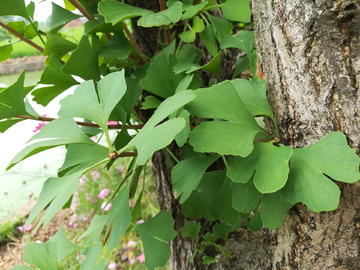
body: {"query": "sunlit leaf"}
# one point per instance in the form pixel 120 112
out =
pixel 5 52
pixel 43 256
pixel 165 17
pixel 191 11
pixel 60 16
pixel 237 10
pixel 14 7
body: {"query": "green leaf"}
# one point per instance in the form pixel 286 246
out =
pixel 119 48
pixel 12 99
pixel 191 229
pixel 198 25
pixel 221 206
pixel 31 9
pixel 92 257
pixel 30 32
pixel 237 10
pixel 150 102
pixel 208 38
pixel 52 75
pixel 308 184
pixel 5 52
pixel 101 265
pixel 161 135
pixel 64 246
pixel 243 41
pixel 255 224
pixel 241 65
pixel 188 36
pixel 56 192
pixel 94 105
pixel 209 260
pixel 246 197
pixel 271 163
pixel 58 132
pixel 189 54
pixel 198 204
pixel 191 11
pixel 209 239
pixel 16 7
pixel 83 62
pixel 187 174
pixel 221 230
pixel 99 25
pixel 182 136
pixel 93 234
pixel 43 256
pixel 222 27
pixel 130 98
pixel 165 17
pixel 154 234
pixel 214 65
pixel 22 267
pixel 82 156
pixel 226 138
pixel 120 218
pixel 6 124
pixel 273 210
pixel 114 11
pixel 163 86
pixel 58 45
pixel 60 16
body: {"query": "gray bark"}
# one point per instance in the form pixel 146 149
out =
pixel 309 54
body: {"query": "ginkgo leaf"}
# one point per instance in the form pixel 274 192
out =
pixel 191 229
pixel 237 10
pixel 191 11
pixel 94 105
pixel 60 16
pixel 12 99
pixel 42 256
pixel 154 234
pixel 120 217
pixel 246 197
pixel 55 193
pixel 64 246
pixel 58 132
pixel 15 7
pixel 307 182
pixel 271 163
pixel 153 137
pixel 165 17
pixel 187 174
pixel 197 205
pixel 232 137
pixel 114 11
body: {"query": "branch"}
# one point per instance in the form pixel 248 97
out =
pixel 28 41
pixel 86 124
pixel 130 36
pixel 81 9
pixel 167 29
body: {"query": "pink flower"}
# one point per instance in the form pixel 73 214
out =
pixel 73 218
pixel 70 224
pixel 139 221
pixel 131 245
pixel 112 123
pixel 103 193
pixel 95 175
pixel 120 169
pixel 112 265
pixel 85 219
pixel 106 207
pixel 38 127
pixel 141 258
pixel 131 261
pixel 22 228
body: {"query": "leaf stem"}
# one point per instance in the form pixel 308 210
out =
pixel 213 6
pixel 86 124
pixel 31 43
pixel 185 28
pixel 37 32
pixel 167 29
pixel 82 10
pixel 172 155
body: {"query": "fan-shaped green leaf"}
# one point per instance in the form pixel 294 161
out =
pixel 308 184
pixel 165 17
pixel 58 45
pixel 243 41
pixel 15 7
pixel 5 52
pixel 154 234
pixel 42 256
pixel 191 11
pixel 191 229
pixel 237 10
pixel 187 174
pixel 246 197
pixel 222 28
pixel 208 38
pixel 60 16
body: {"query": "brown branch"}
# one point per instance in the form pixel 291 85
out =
pixel 28 41
pixel 262 140
pixel 167 29
pixel 128 154
pixel 81 9
pixel 86 124
pixel 130 36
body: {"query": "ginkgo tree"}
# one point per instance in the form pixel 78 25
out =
pixel 228 172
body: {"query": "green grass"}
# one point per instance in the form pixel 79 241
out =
pixel 21 48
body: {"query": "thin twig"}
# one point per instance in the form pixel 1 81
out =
pixel 28 41
pixel 167 29
pixel 128 154
pixel 262 140
pixel 130 36
pixel 86 124
pixel 81 9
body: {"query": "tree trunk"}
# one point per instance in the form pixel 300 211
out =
pixel 309 54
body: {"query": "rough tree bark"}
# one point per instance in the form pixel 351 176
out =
pixel 309 53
